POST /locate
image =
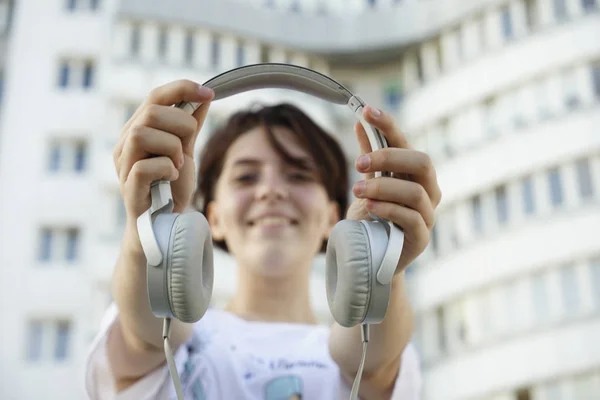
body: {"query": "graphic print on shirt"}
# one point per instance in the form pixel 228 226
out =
pixel 287 387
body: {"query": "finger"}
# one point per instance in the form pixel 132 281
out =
pixel 416 234
pixel 387 126
pixel 173 120
pixel 391 190
pixel 144 142
pixel 143 173
pixel 167 95
pixel 177 91
pixel 416 164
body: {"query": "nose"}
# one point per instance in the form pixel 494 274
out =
pixel 272 186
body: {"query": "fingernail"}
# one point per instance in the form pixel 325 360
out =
pixel 363 162
pixel 359 187
pixel 180 162
pixel 205 91
pixel 375 112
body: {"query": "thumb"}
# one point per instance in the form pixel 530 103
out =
pixel 364 144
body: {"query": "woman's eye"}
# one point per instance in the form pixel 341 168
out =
pixel 301 176
pixel 246 178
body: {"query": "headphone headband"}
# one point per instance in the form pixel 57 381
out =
pixel 294 77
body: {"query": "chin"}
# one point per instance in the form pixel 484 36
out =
pixel 274 262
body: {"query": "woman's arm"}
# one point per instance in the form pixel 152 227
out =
pixel 384 351
pixel 408 199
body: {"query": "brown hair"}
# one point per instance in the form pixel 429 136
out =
pixel 324 148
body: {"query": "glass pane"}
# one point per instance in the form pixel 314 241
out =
pixel 63 330
pixel 477 214
pixel 72 242
pixel 88 74
pixel 34 341
pixel 54 159
pixel 46 245
pixel 570 289
pixel 541 310
pixel 501 204
pixel 80 152
pixel 584 178
pixel 528 196
pixel 556 191
pixel 63 77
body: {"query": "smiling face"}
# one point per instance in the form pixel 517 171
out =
pixel 272 215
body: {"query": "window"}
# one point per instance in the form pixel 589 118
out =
pixel 88 74
pixel 556 190
pixel 419 66
pixel 531 14
pixel 477 214
pixel 72 244
pixel 215 52
pixel 392 93
pixel 54 158
pixel 441 325
pixel 240 55
pixel 528 196
pixel 48 340
pixel 524 394
pixel 135 40
pixel 80 153
pixel 588 5
pixel 543 99
pixel 596 79
pixel 67 155
pixel 584 178
pixel 501 204
pixel 78 68
pixel 541 303
pixel 570 89
pixel 491 106
pixel 58 244
pixel 63 74
pixel 189 47
pixel 72 5
pixel 45 245
pixel 34 341
pixel 162 43
pixel 560 10
pixel 507 28
pixel 595 279
pixel 63 330
pixel 569 288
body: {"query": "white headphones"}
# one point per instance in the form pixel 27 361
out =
pixel 361 256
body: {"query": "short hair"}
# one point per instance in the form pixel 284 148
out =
pixel 326 151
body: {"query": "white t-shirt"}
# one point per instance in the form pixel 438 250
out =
pixel 231 358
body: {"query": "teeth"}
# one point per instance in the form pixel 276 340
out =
pixel 271 221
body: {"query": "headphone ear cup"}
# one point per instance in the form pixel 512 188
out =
pixel 190 270
pixel 348 272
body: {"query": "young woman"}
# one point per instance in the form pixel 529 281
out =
pixel 272 185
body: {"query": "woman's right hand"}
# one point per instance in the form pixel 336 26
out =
pixel 158 143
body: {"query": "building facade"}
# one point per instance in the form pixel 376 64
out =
pixel 504 95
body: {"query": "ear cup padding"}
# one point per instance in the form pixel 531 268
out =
pixel 348 272
pixel 190 272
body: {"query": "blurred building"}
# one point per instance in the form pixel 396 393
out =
pixel 504 96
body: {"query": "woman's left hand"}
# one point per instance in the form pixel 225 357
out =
pixel 408 199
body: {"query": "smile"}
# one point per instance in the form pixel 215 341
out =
pixel 273 221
